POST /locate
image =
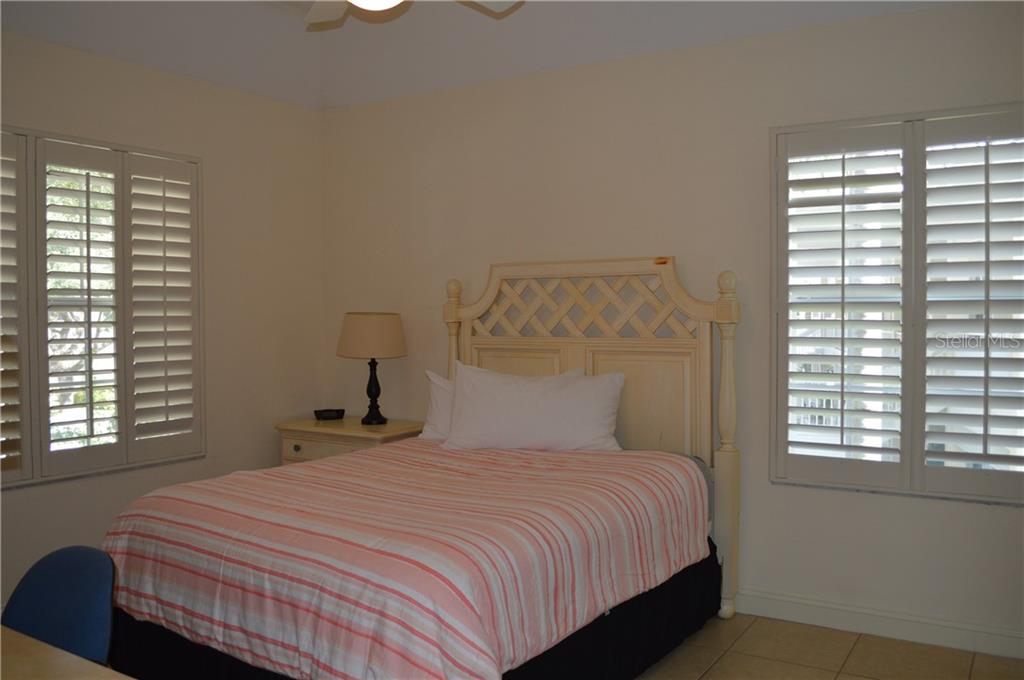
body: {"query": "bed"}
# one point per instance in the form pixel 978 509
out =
pixel 415 561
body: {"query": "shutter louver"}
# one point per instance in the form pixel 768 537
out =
pixel 844 300
pixel 12 358
pixel 163 297
pixel 974 281
pixel 81 302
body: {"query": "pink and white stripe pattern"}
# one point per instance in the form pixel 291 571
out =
pixel 407 561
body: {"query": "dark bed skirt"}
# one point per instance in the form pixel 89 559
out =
pixel 617 646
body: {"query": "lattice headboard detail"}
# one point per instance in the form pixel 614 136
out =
pixel 628 306
pixel 630 316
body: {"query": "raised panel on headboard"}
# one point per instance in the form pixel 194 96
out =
pixel 631 316
pixel 664 399
pixel 518 359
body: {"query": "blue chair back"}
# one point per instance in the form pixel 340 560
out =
pixel 66 600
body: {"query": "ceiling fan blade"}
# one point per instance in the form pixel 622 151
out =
pixel 494 10
pixel 324 11
pixel 326 15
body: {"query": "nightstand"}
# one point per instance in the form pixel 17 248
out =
pixel 303 440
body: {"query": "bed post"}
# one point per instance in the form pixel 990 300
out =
pixel 451 318
pixel 727 457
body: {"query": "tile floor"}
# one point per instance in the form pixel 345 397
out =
pixel 755 648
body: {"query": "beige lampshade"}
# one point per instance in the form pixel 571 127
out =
pixel 371 335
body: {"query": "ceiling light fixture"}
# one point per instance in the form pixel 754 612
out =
pixel 376 5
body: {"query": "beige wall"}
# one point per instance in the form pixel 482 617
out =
pixel 668 154
pixel 263 290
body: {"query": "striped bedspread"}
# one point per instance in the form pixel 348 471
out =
pixel 407 561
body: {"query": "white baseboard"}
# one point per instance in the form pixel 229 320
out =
pixel 975 638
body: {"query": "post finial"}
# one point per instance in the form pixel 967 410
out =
pixel 727 284
pixel 454 289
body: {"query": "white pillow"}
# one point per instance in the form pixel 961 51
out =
pixel 550 413
pixel 442 398
pixel 439 410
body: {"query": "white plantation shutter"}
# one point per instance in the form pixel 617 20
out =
pixel 842 300
pixel 101 338
pixel 164 305
pixel 974 284
pixel 79 225
pixel 899 305
pixel 15 433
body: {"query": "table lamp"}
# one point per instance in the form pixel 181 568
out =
pixel 372 335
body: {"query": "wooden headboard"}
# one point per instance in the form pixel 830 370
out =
pixel 630 316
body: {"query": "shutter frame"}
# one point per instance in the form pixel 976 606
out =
pixel 168 438
pixel 973 171
pixel 853 338
pixel 56 463
pixel 20 463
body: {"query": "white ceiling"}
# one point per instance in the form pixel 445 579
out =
pixel 263 46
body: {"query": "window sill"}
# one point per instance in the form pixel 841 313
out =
pixel 25 483
pixel 964 498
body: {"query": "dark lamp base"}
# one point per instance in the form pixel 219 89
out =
pixel 373 415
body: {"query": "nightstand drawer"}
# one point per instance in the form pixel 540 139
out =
pixel 303 440
pixel 296 450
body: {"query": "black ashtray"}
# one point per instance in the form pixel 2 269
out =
pixel 329 413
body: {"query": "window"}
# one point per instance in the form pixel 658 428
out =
pixel 899 304
pixel 100 307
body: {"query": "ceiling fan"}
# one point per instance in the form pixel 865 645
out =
pixel 326 15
